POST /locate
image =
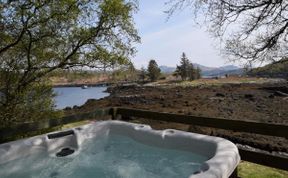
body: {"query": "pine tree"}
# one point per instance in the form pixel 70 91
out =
pixel 198 73
pixel 191 71
pixel 186 69
pixel 142 74
pixel 153 70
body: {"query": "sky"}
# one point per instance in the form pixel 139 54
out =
pixel 165 40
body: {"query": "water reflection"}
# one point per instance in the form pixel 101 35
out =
pixel 70 96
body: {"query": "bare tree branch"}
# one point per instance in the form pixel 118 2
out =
pixel 253 30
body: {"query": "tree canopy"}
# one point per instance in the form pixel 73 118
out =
pixel 142 74
pixel 186 69
pixel 153 71
pixel 255 31
pixel 38 37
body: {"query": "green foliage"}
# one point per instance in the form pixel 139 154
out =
pixel 197 73
pixel 125 73
pixel 34 103
pixel 183 69
pixel 39 37
pixel 186 69
pixel 74 75
pixel 142 74
pixel 153 70
pixel 250 170
pixel 278 69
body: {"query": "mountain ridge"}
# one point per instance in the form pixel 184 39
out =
pixel 208 71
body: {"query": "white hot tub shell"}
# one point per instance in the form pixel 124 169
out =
pixel 223 156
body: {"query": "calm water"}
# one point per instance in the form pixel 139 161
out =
pixel 112 157
pixel 70 96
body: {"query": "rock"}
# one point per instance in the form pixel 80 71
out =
pixel 162 98
pixel 248 96
pixel 219 95
pixel 189 113
pixel 279 93
pixel 180 111
pixel 178 94
pixel 260 108
pixel 229 111
pixel 217 98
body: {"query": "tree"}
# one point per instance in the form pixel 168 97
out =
pixel 153 70
pixel 39 37
pixel 255 31
pixel 182 69
pixel 131 72
pixel 198 73
pixel 186 69
pixel 142 74
pixel 191 71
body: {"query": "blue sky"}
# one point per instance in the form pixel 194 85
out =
pixel 165 41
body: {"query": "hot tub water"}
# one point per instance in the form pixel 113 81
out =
pixel 112 157
pixel 115 149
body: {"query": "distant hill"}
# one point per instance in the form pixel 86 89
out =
pixel 229 68
pixel 204 68
pixel 275 70
pixel 209 71
pixel 167 70
pixel 223 72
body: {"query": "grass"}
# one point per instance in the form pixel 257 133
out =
pixel 251 170
pixel 75 124
pixel 216 82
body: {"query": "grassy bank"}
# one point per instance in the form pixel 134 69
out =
pixel 70 78
pixel 250 170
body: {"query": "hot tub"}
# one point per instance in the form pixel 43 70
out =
pixel 118 149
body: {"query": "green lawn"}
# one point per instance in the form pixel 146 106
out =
pixel 250 170
pixel 75 124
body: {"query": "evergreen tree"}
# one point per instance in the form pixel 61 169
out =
pixel 182 69
pixel 191 71
pixel 186 69
pixel 153 70
pixel 198 73
pixel 142 74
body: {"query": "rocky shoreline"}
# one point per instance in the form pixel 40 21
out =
pixel 104 84
pixel 253 102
